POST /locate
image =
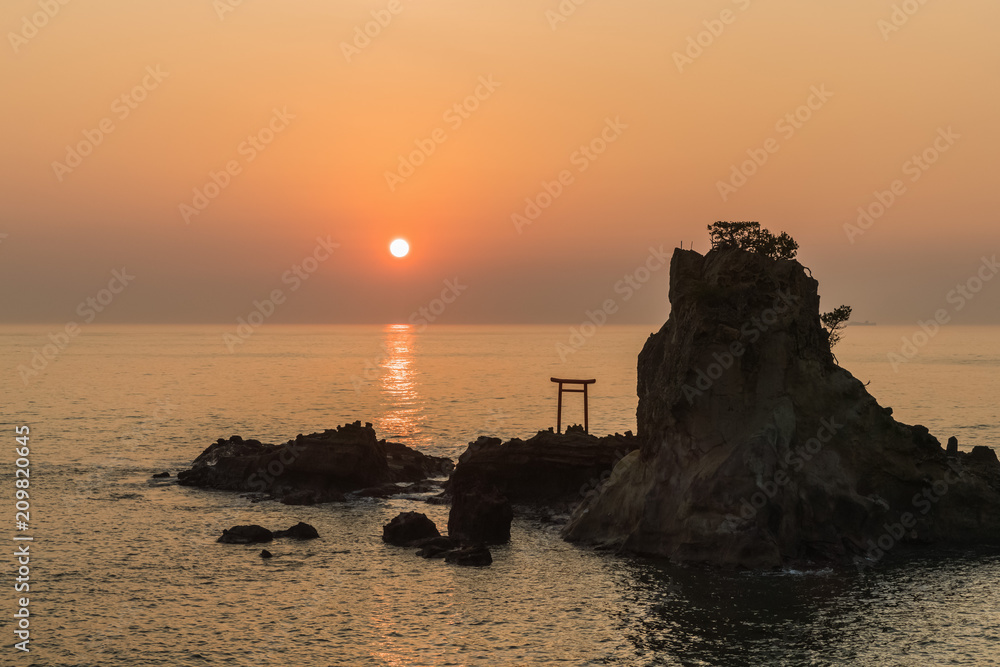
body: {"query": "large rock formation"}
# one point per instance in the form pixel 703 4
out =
pixel 311 468
pixel 758 450
pixel 547 468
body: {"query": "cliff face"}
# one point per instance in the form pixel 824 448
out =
pixel 758 450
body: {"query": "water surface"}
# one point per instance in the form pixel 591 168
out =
pixel 127 571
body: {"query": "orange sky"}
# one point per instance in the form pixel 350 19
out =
pixel 183 86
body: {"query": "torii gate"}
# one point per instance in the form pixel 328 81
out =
pixel 584 383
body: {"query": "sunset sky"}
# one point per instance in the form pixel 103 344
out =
pixel 641 107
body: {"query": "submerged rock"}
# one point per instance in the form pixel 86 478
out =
pixel 435 547
pixel 381 491
pixel 758 450
pixel 480 514
pixel 547 468
pixel 310 469
pixel 407 528
pixel 250 534
pixel 312 497
pixel 161 475
pixel 475 556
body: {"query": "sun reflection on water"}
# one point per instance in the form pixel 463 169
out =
pixel 401 413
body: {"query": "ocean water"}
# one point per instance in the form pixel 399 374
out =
pixel 125 569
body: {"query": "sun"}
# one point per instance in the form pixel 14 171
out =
pixel 399 248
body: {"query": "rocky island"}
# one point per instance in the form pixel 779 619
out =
pixel 758 450
pixel 316 468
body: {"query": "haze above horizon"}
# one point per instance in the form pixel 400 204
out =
pixel 192 161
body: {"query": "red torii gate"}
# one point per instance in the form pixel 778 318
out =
pixel 584 383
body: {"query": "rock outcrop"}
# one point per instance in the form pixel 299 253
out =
pixel 547 468
pixel 313 468
pixel 758 450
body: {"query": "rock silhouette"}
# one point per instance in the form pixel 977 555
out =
pixel 311 469
pixel 547 468
pixel 300 531
pixel 480 514
pixel 250 534
pixel 253 533
pixel 758 450
pixel 407 528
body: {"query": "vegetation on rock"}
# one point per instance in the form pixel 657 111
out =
pixel 752 237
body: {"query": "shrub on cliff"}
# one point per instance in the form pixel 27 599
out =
pixel 835 321
pixel 752 237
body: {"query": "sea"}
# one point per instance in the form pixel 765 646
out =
pixel 125 569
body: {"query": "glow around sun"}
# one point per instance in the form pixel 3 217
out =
pixel 399 248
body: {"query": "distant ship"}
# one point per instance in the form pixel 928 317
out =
pixel 866 323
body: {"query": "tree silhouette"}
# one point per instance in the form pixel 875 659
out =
pixel 835 321
pixel 752 237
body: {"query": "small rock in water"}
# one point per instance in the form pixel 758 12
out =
pixel 300 531
pixel 264 553
pixel 246 535
pixel 408 527
pixel 161 475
